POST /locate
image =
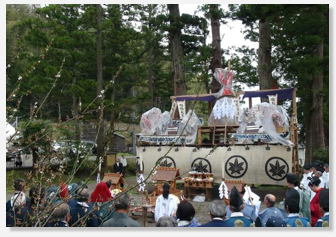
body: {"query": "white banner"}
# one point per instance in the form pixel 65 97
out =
pixel 273 99
pixel 181 108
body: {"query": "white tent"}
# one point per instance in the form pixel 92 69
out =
pixel 10 131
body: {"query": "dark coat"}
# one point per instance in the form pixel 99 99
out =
pixel 214 223
pixel 78 212
pixel 118 168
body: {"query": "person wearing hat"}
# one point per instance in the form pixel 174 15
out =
pixel 275 221
pixel 314 184
pixel 292 182
pixel 237 218
pixel 324 208
pixel 166 204
pixel 305 177
pixel 319 174
pixel 326 174
pixel 265 214
pixel 292 202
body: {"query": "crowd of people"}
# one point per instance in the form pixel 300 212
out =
pixel 306 204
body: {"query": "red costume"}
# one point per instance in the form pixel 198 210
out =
pixel 315 208
pixel 101 193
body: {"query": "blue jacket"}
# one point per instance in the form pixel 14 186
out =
pixel 214 223
pixel 323 221
pixel 297 221
pixel 78 212
pixel 238 221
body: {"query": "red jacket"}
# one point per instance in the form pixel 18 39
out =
pixel 315 207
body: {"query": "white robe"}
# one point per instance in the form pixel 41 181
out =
pixel 165 207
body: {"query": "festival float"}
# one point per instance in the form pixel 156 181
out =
pixel 255 144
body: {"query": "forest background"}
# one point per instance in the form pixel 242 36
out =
pixel 109 63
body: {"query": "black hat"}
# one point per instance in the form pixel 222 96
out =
pixel 324 197
pixel 307 166
pixel 166 186
pixel 292 178
pixel 292 198
pixel 314 181
pixel 235 198
pixel 275 221
pixel 319 168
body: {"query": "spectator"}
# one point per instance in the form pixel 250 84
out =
pixel 166 204
pixel 324 209
pixel 217 210
pixel 292 205
pixel 16 213
pixel 166 221
pixel 237 218
pixel 60 216
pixel 119 169
pixel 270 210
pixel 185 215
pixel 120 218
pixel 123 161
pixel 314 185
pixel 81 210
pixel 35 207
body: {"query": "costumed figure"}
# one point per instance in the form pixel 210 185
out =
pixel 237 218
pixel 324 208
pixel 101 198
pixel 166 204
pixel 314 185
pixel 292 205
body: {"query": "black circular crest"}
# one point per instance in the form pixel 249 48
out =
pixel 201 165
pixel 236 166
pixel 167 161
pixel 276 168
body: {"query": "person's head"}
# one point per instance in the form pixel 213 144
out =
pixel 166 188
pixel 37 195
pixel 314 183
pixel 326 167
pixel 83 195
pixel 109 183
pixel 123 156
pixel 166 221
pixel 236 201
pixel 20 185
pixel 306 168
pixel 185 211
pixel 318 174
pixel 292 180
pixel 117 159
pixel 275 221
pixel 269 200
pixel 217 209
pixel 324 200
pixel 292 201
pixel 61 213
pixel 122 202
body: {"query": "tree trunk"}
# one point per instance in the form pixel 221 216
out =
pixel 150 62
pixel 216 45
pixel 75 107
pixel 314 126
pixel 100 117
pixel 264 57
pixel 176 50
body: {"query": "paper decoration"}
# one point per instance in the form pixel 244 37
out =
pixel 223 193
pixel 225 79
pixel 173 109
pixel 252 199
pixel 163 140
pixel 181 108
pixel 273 99
pixel 224 108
